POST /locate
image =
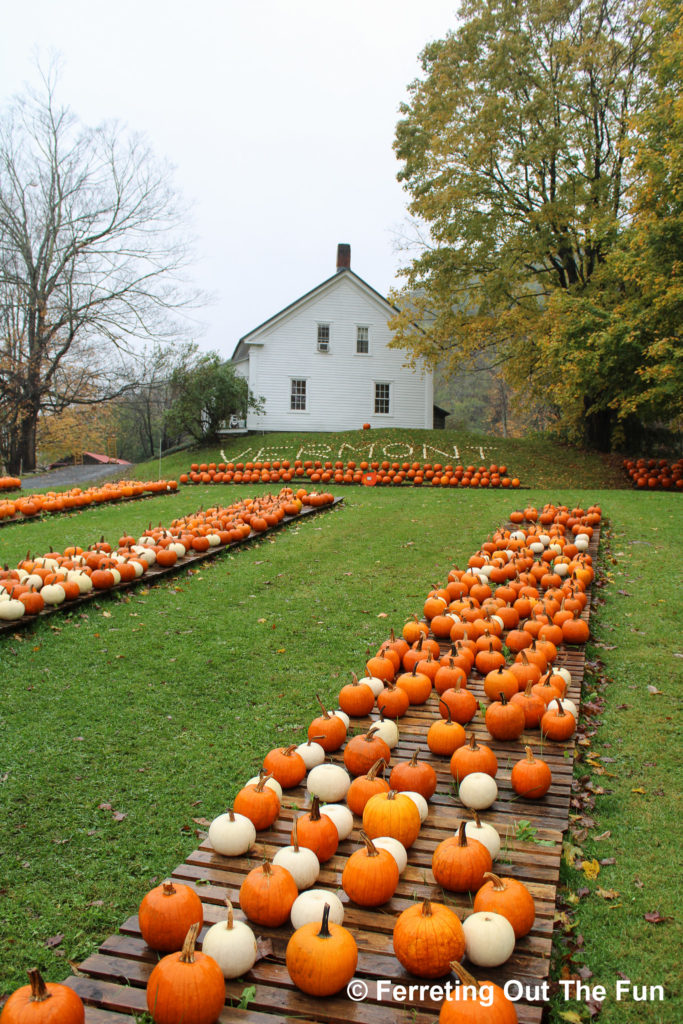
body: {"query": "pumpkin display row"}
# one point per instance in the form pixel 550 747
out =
pixel 10 483
pixel 654 474
pixel 380 473
pixel 56 578
pixel 31 505
pixel 503 591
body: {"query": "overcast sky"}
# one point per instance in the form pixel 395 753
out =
pixel 278 116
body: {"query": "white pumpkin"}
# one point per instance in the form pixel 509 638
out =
pixel 116 574
pixel 519 535
pixel 302 864
pixel 81 579
pixel 486 834
pixel 375 684
pixel 179 549
pixel 32 579
pixel 544 539
pixel 561 568
pixel 537 547
pixel 232 834
pixel 387 730
pixel 147 555
pixel 565 673
pixel 11 609
pixel 342 816
pixel 213 539
pixel 312 753
pixel 344 717
pixel 478 791
pixel 52 593
pixel 309 906
pixel 419 801
pixel 489 938
pixel 329 782
pixel 273 783
pixel 232 944
pixel 568 705
pixel 395 848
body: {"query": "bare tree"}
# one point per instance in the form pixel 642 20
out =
pixel 91 254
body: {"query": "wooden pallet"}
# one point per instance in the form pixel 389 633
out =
pixel 112 981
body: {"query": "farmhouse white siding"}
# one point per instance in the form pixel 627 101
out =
pixel 340 391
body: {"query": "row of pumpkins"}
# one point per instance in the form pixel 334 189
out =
pixel 10 483
pixel 57 577
pixel 385 472
pixel 655 474
pixel 30 505
pixel 429 939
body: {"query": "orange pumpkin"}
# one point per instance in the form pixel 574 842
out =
pixel 42 1002
pixel 460 863
pixel 427 937
pixel 267 894
pixel 187 986
pixel 166 913
pixel 370 875
pixel 509 897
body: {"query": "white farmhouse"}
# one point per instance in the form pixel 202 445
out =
pixel 323 362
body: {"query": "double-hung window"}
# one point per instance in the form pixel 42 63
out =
pixel 382 399
pixel 362 340
pixel 298 396
pixel 323 337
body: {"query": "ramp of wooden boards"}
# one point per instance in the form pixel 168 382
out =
pixel 113 980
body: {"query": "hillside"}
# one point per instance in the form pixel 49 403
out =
pixel 535 460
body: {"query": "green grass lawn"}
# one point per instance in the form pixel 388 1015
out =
pixel 126 721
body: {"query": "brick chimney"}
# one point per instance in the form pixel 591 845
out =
pixel 343 256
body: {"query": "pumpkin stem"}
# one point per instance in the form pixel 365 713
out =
pixel 448 710
pixel 314 738
pixel 263 777
pixel 326 713
pixel 477 819
pixel 462 837
pixel 288 751
pixel 560 710
pixel 325 932
pixel 168 889
pixel 231 918
pixel 314 813
pixel 187 952
pixel 39 992
pixel 498 883
pixel 427 908
pixel 370 847
pixel 529 753
pixel 473 742
pixel 295 834
pixel 354 679
pixel 413 760
pixel 503 698
pixel 379 766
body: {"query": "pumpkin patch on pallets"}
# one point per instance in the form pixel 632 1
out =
pixel 39 506
pixel 114 979
pixel 42 585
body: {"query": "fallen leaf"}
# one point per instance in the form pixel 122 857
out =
pixel 119 815
pixel 607 894
pixel 572 1016
pixel 590 868
pixel 260 620
pixel 281 650
pixel 106 615
pixel 603 835
pixel 606 861
pixel 653 689
pixel 382 615
pixel 571 854
pixel 104 807
pixel 638 790
pixel 54 940
pixel 654 917
pixel 202 821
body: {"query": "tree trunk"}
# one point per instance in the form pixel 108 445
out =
pixel 598 429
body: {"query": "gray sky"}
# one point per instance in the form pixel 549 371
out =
pixel 278 115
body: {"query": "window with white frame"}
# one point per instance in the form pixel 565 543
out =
pixel 362 340
pixel 382 399
pixel 323 337
pixel 297 402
